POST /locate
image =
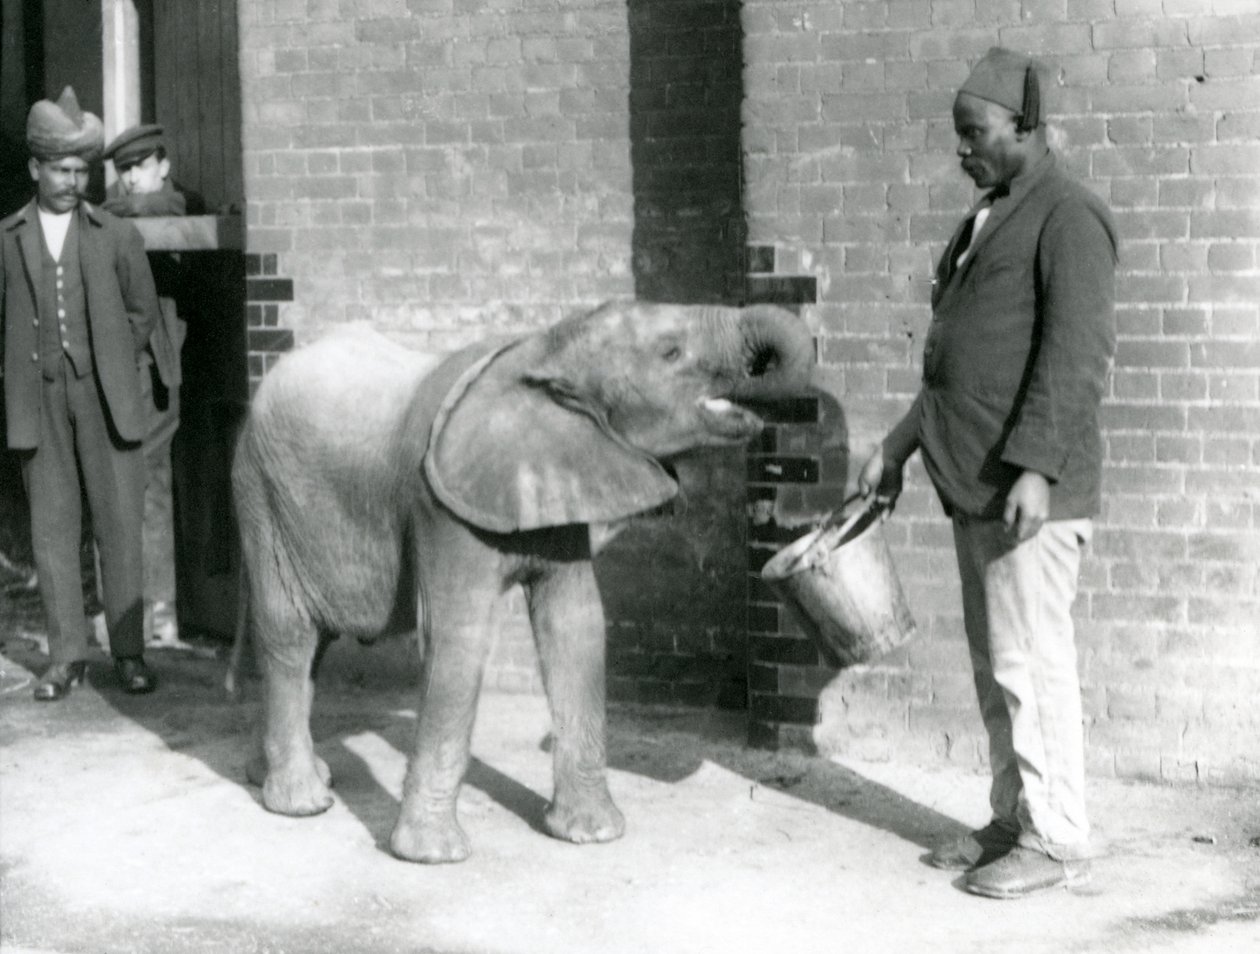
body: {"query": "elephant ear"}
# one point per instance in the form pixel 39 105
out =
pixel 507 452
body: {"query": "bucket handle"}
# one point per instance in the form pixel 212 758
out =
pixel 833 518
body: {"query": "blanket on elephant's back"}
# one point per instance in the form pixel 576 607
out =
pixel 434 390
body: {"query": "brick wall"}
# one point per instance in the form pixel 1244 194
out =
pixel 851 178
pixel 438 167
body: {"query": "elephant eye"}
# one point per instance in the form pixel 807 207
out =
pixel 672 353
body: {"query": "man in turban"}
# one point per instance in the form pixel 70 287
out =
pixel 78 306
pixel 1007 425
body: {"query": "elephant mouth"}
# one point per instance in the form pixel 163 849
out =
pixel 727 420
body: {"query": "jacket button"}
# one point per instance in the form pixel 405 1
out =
pixel 35 356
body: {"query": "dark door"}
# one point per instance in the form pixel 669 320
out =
pixel 192 87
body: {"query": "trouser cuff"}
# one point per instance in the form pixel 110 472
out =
pixel 1059 851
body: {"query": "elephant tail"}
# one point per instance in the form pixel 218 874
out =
pixel 240 637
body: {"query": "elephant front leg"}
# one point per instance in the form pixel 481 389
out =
pixel 568 623
pixel 428 830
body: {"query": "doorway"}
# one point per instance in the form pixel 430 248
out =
pixel 189 83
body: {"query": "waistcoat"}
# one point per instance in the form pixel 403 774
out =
pixel 63 325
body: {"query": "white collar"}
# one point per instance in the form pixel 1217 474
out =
pixel 56 226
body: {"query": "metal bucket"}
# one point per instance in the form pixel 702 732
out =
pixel 840 582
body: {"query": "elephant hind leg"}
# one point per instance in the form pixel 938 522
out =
pixel 294 779
pixel 285 640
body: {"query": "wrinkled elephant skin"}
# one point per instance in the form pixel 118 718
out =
pixel 379 489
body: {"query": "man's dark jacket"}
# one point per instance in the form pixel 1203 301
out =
pixel 1017 355
pixel 168 272
pixel 122 309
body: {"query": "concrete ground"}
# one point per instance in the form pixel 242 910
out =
pixel 126 825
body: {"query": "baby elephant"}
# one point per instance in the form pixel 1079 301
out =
pixel 382 490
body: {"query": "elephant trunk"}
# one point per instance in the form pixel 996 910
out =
pixel 776 354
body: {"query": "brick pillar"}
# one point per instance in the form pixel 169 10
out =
pixel 264 292
pixel 797 472
pixel 686 87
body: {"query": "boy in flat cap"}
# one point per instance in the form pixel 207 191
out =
pixel 1007 424
pixel 78 307
pixel 144 188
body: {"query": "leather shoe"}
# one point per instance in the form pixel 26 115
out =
pixel 58 679
pixel 974 849
pixel 1023 871
pixel 135 675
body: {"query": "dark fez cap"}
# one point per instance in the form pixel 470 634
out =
pixel 60 129
pixel 134 144
pixel 1008 79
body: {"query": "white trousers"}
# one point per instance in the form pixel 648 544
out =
pixel 1017 609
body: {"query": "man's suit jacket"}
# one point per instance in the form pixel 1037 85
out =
pixel 1018 352
pixel 122 310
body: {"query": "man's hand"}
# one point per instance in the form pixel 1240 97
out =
pixel 883 481
pixel 1027 505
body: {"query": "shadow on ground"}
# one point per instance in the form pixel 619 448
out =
pixel 193 714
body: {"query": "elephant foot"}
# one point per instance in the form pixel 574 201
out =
pixel 298 792
pixel 430 843
pixel 256 770
pixel 586 820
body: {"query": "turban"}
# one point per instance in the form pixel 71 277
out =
pixel 135 144
pixel 1008 79
pixel 60 129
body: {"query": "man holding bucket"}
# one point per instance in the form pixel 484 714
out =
pixel 1007 425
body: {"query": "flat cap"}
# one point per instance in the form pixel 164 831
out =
pixel 60 129
pixel 1009 79
pixel 134 144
